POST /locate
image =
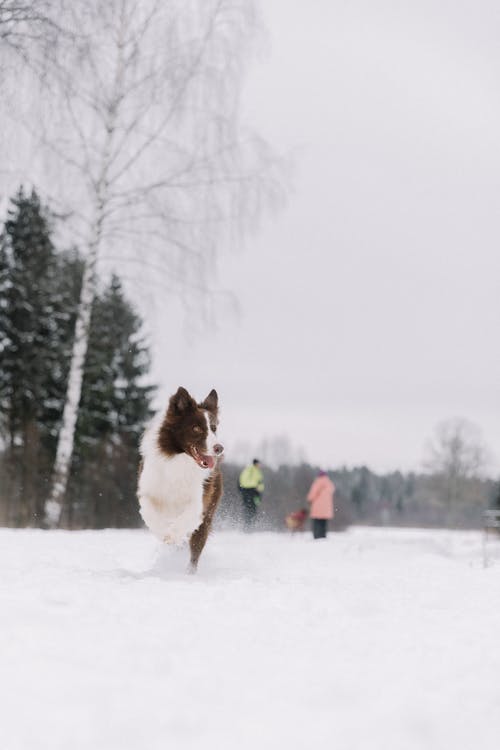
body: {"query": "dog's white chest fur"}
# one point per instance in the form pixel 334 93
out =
pixel 170 491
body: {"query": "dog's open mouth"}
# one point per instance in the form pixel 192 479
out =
pixel 202 459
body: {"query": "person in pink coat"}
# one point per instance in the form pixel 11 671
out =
pixel 321 498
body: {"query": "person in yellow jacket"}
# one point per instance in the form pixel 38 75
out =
pixel 251 486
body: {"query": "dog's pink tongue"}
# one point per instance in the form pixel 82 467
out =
pixel 208 462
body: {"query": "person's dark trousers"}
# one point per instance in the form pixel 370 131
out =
pixel 319 527
pixel 249 507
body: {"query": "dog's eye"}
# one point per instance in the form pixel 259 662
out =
pixel 196 428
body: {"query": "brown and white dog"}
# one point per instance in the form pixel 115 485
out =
pixel 180 482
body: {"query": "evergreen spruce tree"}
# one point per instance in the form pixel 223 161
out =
pixel 114 407
pixel 31 345
pixel 39 292
pixel 5 340
pixel 496 498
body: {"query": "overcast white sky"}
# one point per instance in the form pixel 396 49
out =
pixel 371 304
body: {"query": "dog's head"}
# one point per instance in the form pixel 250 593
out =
pixel 191 428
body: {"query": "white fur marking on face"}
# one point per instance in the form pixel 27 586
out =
pixel 211 437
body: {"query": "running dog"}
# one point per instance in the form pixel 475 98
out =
pixel 180 482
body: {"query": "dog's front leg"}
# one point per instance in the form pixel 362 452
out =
pixel 198 540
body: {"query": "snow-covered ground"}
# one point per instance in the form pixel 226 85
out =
pixel 375 638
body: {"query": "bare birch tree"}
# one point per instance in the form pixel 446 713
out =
pixel 146 129
pixel 455 455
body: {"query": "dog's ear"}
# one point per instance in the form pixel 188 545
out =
pixel 181 402
pixel 211 402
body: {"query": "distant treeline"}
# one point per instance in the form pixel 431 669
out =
pixel 365 497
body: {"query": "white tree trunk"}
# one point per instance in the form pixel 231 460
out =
pixel 62 466
pixel 53 505
pixel 66 439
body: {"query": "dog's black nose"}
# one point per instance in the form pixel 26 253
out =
pixel 218 449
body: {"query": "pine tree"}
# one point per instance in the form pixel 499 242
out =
pixel 5 339
pixel 31 344
pixel 114 407
pixel 496 497
pixel 39 292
